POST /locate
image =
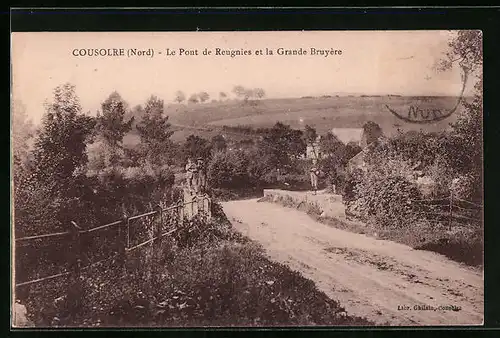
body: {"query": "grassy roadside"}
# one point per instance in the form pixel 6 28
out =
pixel 208 275
pixel 464 246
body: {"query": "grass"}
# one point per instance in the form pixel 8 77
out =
pixel 323 113
pixel 464 245
pixel 206 275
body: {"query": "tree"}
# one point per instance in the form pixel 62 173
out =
pixel 219 143
pixel 155 132
pixel 372 132
pixel 465 145
pixel 333 162
pixel 310 134
pixel 284 143
pixel 259 93
pixel 180 96
pixel 222 96
pixel 22 132
pixel 112 126
pixel 193 98
pixel 196 146
pixel 240 91
pixel 466 50
pixel 203 96
pixel 60 148
pixel 53 192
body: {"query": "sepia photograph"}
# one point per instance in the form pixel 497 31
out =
pixel 247 179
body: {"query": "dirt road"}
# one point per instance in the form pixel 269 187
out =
pixel 377 279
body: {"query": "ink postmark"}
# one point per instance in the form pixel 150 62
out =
pixel 419 114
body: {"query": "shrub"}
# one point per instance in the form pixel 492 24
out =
pixel 465 186
pixel 229 170
pixel 387 199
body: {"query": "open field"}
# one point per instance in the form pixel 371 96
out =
pixel 322 113
pixel 207 119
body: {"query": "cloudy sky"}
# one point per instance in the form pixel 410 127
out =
pixel 372 62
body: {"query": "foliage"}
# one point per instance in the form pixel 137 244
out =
pixel 60 146
pixel 196 146
pixel 203 96
pixel 372 131
pixel 111 127
pixel 22 132
pixel 310 134
pixel 55 183
pixel 466 48
pixel 193 98
pixel 179 96
pixel 222 96
pixel 218 143
pixel 229 170
pixel 283 144
pixel 465 146
pixel 248 93
pixel 385 195
pixel 259 93
pixel 155 132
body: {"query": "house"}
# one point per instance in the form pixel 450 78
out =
pixel 345 135
pixel 350 135
pixel 358 161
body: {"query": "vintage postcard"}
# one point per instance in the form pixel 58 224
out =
pixel 247 179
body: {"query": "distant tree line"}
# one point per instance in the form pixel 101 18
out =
pixel 245 94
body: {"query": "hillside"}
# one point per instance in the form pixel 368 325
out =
pixel 323 113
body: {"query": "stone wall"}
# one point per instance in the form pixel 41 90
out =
pixel 330 204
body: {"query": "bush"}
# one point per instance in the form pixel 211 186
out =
pixel 465 186
pixel 230 170
pixel 387 200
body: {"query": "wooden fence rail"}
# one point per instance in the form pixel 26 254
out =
pixel 123 241
pixel 448 210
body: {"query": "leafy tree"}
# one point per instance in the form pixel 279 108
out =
pixel 259 93
pixel 193 98
pixel 56 188
pixel 372 132
pixel 22 132
pixel 333 161
pixel 284 144
pixel 203 96
pixel 155 132
pixel 180 96
pixel 310 134
pixel 60 147
pixel 240 91
pixel 196 146
pixel 219 143
pixel 112 126
pixel 465 146
pixel 222 96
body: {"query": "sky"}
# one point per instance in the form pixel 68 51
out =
pixel 372 62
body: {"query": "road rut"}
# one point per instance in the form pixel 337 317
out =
pixel 386 282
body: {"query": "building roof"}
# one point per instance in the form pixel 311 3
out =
pixel 346 135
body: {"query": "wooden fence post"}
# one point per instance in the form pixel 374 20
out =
pixel 208 207
pixel 155 261
pixel 123 242
pixel 75 293
pixel 451 210
pixel 193 201
pixel 180 209
pixel 159 225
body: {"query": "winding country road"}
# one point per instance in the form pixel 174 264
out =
pixel 377 279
